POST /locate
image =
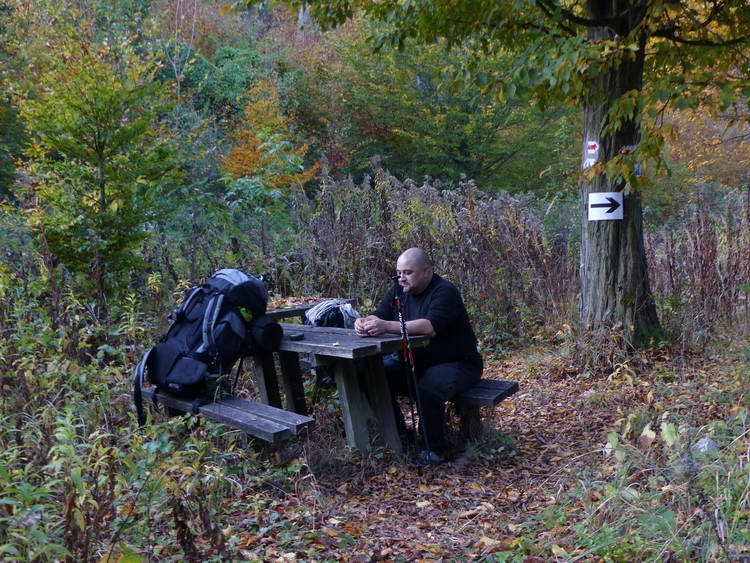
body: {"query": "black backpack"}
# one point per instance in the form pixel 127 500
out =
pixel 218 322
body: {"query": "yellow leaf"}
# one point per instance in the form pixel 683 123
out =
pixel 559 551
pixel 330 531
pixel 423 503
pixel 80 520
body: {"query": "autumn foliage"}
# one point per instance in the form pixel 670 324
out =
pixel 144 145
pixel 250 156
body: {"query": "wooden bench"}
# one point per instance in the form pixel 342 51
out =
pixel 268 423
pixel 486 393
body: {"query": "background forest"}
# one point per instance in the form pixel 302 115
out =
pixel 145 144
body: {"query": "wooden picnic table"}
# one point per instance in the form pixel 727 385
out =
pixel 338 348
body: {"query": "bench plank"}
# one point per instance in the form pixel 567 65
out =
pixel 267 430
pixel 487 393
pixel 262 421
pixel 295 422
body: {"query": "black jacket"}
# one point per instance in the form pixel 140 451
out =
pixel 441 304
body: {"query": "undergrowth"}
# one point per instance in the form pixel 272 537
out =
pixel 671 482
pixel 79 481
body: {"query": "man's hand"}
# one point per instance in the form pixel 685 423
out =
pixel 370 326
pixel 375 326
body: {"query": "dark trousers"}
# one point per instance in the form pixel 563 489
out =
pixel 435 386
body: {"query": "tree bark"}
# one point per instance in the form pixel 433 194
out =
pixel 615 291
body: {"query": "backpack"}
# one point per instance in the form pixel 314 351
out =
pixel 330 313
pixel 218 322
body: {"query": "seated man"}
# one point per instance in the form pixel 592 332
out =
pixel 450 364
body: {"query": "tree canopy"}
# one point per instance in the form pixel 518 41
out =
pixel 626 63
pixel 693 49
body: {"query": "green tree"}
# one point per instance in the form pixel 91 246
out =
pixel 11 130
pixel 625 61
pixel 402 108
pixel 11 146
pixel 99 157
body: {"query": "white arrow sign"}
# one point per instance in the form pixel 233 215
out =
pixel 605 206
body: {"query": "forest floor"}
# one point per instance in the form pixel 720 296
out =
pixel 513 489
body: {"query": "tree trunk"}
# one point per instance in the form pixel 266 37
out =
pixel 615 292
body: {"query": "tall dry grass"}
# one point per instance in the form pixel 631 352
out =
pixel 700 266
pixel 513 276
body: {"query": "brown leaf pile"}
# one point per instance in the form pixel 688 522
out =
pixel 380 508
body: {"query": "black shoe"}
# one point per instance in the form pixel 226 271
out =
pixel 428 457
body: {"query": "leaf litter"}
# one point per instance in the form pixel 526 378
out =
pixel 379 508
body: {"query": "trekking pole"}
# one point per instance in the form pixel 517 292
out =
pixel 410 361
pixel 404 352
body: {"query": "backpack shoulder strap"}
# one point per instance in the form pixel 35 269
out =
pixel 179 311
pixel 137 384
pixel 209 321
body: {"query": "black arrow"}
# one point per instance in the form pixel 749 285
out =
pixel 613 204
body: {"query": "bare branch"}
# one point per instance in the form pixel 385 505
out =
pixel 547 11
pixel 615 20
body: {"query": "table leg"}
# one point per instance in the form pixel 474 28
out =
pixel 379 394
pixel 291 379
pixel 265 379
pixel 353 406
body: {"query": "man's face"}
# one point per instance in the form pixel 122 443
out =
pixel 412 276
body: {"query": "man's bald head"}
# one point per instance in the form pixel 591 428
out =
pixel 416 256
pixel 414 270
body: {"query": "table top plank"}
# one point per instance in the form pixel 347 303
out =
pixel 326 344
pixel 346 337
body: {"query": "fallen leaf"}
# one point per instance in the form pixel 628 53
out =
pixel 470 513
pixel 646 438
pixel 486 542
